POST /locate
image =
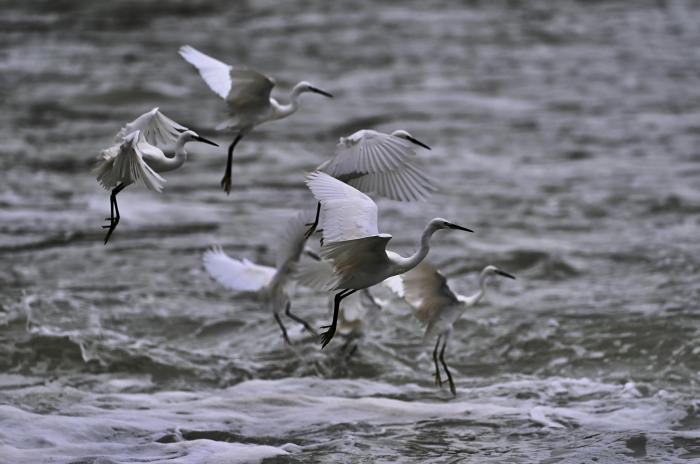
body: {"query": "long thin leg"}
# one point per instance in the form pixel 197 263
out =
pixel 291 315
pixel 438 380
pixel 447 371
pixel 284 329
pixel 314 224
pixel 114 211
pixel 226 180
pixel 327 336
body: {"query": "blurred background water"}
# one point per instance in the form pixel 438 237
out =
pixel 565 133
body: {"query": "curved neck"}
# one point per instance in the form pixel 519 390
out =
pixel 293 105
pixel 475 297
pixel 406 264
pixel 169 164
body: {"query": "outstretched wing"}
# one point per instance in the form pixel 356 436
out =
pixel 242 276
pixel 372 161
pixel 242 88
pixel 292 239
pixel 426 290
pixel 124 164
pixel 351 257
pixel 346 213
pixel 156 128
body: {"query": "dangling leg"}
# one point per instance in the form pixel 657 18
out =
pixel 294 317
pixel 328 334
pixel 438 380
pixel 314 224
pixel 284 329
pixel 226 180
pixel 444 365
pixel 114 211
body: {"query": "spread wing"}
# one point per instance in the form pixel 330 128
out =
pixel 346 213
pixel 372 161
pixel 355 256
pixel 292 239
pixel 315 274
pixel 124 164
pixel 242 276
pixel 426 290
pixel 242 88
pixel 156 128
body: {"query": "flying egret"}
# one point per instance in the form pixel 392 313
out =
pixel 375 162
pixel 270 283
pixel 435 304
pixel 353 244
pixel 136 158
pixel 247 95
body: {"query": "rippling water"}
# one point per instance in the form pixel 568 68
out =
pixel 565 133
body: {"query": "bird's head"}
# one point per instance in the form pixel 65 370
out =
pixel 304 86
pixel 192 136
pixel 493 270
pixel 402 134
pixel 440 223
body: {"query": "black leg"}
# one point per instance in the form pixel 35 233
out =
pixel 314 224
pixel 291 315
pixel 114 211
pixel 327 336
pixel 447 371
pixel 283 328
pixel 438 380
pixel 226 180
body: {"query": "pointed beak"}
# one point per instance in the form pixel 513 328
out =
pixel 319 91
pixel 418 142
pixel 203 140
pixel 313 255
pixel 504 274
pixel 455 226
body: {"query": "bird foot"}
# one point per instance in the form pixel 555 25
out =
pixel 327 336
pixel 226 184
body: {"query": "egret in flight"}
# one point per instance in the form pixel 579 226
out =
pixel 375 162
pixel 136 157
pixel 435 304
pixel 247 95
pixel 353 244
pixel 270 283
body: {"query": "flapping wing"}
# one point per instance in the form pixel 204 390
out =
pixel 125 164
pixel 352 256
pixel 426 290
pixel 292 239
pixel 372 161
pixel 346 213
pixel 315 274
pixel 156 128
pixel 242 276
pixel 215 73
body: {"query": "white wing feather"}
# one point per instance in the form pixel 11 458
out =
pixel 156 128
pixel 216 74
pixel 242 276
pixel 346 213
pixel 426 290
pixel 124 164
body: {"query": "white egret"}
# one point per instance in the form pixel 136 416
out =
pixel 271 284
pixel 375 162
pixel 353 244
pixel 136 159
pixel 435 304
pixel 247 95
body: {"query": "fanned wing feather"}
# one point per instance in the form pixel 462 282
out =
pixel 426 290
pixel 346 213
pixel 315 274
pixel 124 164
pixel 242 276
pixel 156 128
pixel 351 257
pixel 292 239
pixel 376 162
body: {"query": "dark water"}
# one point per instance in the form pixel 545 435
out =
pixel 565 133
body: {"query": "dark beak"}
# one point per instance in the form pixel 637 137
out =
pixel 418 142
pixel 455 226
pixel 313 255
pixel 203 140
pixel 504 274
pixel 319 91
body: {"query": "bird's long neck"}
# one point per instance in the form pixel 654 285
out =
pixel 475 297
pixel 293 105
pixel 169 164
pixel 406 264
